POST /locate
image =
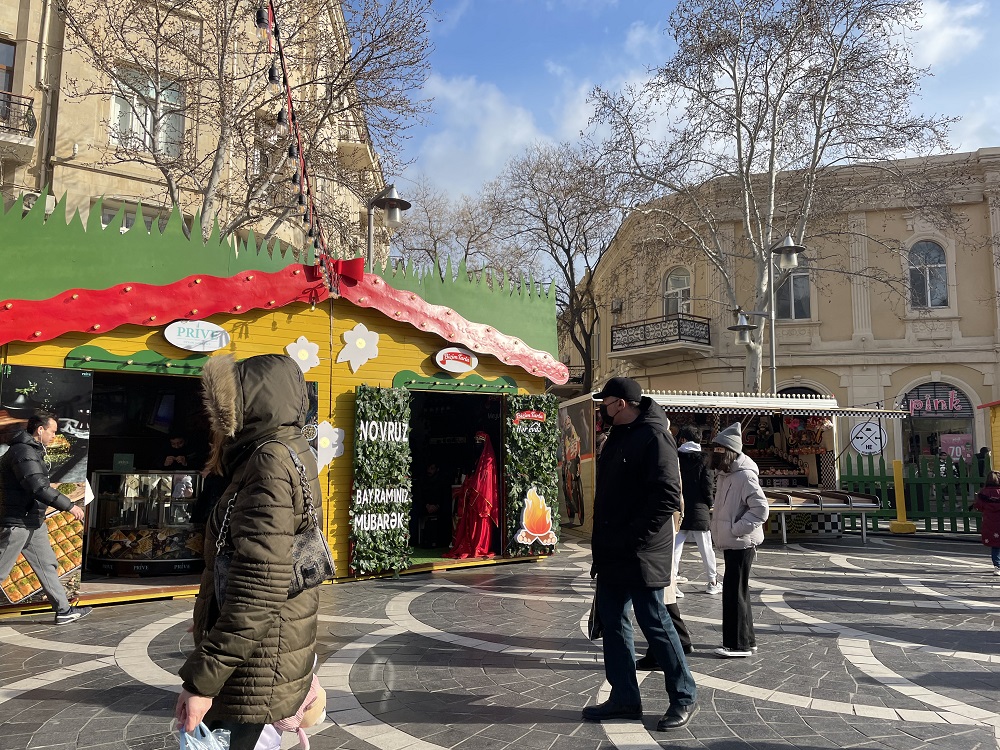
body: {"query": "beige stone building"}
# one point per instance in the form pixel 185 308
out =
pixel 927 343
pixel 55 134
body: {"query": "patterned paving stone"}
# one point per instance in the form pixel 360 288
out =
pixel 892 645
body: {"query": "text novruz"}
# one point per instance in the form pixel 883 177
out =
pixel 386 432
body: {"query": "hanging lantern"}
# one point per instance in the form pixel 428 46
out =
pixel 263 23
pixel 281 125
pixel 274 80
pixel 293 154
pixel 296 178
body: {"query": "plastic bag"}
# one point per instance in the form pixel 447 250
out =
pixel 203 739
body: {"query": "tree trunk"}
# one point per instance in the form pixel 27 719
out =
pixel 753 369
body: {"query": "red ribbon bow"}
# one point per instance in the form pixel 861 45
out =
pixel 353 269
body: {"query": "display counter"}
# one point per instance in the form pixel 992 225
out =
pixel 141 524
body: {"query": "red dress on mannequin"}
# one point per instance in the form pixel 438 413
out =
pixel 480 510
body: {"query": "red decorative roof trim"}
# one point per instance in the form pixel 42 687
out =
pixel 407 307
pixel 194 297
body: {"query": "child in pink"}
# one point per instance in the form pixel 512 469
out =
pixel 988 503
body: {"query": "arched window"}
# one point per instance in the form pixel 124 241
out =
pixel 791 299
pixel 677 291
pixel 928 275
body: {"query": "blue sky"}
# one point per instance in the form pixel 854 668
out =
pixel 506 73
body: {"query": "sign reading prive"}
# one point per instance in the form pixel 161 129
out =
pixel 196 335
pixel 456 359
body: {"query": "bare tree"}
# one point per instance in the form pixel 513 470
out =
pixel 560 204
pixel 777 116
pixel 188 82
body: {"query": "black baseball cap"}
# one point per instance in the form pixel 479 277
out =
pixel 624 388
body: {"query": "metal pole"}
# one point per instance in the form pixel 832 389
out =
pixel 770 323
pixel 371 237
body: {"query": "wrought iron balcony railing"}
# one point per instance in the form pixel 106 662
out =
pixel 669 329
pixel 17 114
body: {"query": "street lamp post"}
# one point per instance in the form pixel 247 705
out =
pixel 389 201
pixel 788 258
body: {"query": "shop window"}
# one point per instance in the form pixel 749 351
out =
pixel 7 56
pixel 147 114
pixel 942 422
pixel 791 299
pixel 928 266
pixel 677 292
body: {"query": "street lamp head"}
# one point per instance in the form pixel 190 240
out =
pixel 788 253
pixel 742 328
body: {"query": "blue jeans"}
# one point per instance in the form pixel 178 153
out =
pixel 995 554
pixel 619 647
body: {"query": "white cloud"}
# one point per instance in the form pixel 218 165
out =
pixel 949 31
pixel 451 17
pixel 979 126
pixel 480 130
pixel 645 43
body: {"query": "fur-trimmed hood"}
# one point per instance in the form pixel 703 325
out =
pixel 251 401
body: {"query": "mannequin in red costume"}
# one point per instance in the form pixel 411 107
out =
pixel 479 511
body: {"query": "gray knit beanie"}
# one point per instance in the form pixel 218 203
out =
pixel 731 437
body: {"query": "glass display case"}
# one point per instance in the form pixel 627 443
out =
pixel 141 523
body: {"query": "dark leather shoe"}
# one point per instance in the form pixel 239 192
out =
pixel 609 710
pixel 676 717
pixel 648 664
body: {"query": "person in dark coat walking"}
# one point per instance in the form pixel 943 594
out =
pixel 696 480
pixel 638 491
pixel 26 495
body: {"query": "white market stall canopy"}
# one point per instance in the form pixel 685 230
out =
pixel 706 402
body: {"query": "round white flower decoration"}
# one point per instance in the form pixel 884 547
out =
pixel 304 352
pixel 361 346
pixel 329 443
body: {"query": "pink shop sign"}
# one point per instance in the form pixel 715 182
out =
pixel 959 447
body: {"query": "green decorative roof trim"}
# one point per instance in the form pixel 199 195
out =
pixel 442 381
pixel 43 257
pixel 516 305
pixel 96 358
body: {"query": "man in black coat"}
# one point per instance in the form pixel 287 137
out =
pixel 26 495
pixel 638 492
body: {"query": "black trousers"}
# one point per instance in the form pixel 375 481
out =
pixel 737 616
pixel 242 736
pixel 682 629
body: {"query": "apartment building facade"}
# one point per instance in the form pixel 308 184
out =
pixel 896 310
pixel 70 127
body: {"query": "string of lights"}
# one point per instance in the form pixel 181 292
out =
pixel 269 31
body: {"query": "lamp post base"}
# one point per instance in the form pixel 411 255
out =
pixel 902 527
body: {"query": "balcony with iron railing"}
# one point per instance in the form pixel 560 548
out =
pixel 17 126
pixel 658 338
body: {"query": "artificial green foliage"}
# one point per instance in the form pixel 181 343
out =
pixel 95 358
pixel 530 460
pixel 381 465
pixel 443 381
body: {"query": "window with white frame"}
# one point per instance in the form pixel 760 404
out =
pixel 791 299
pixel 147 113
pixel 677 291
pixel 928 266
pixel 108 215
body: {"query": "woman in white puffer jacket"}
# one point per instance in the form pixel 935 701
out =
pixel 738 518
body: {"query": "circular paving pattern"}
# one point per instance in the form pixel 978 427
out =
pixel 893 645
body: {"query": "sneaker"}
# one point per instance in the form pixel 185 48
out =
pixel 714 589
pixel 681 579
pixel 680 594
pixel 996 571
pixel 71 615
pixel 732 653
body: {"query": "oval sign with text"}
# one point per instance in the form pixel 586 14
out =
pixel 456 359
pixel 196 335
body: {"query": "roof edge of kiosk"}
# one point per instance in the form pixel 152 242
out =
pixel 711 402
pixel 78 276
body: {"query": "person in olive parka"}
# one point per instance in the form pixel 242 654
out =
pixel 638 491
pixel 253 658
